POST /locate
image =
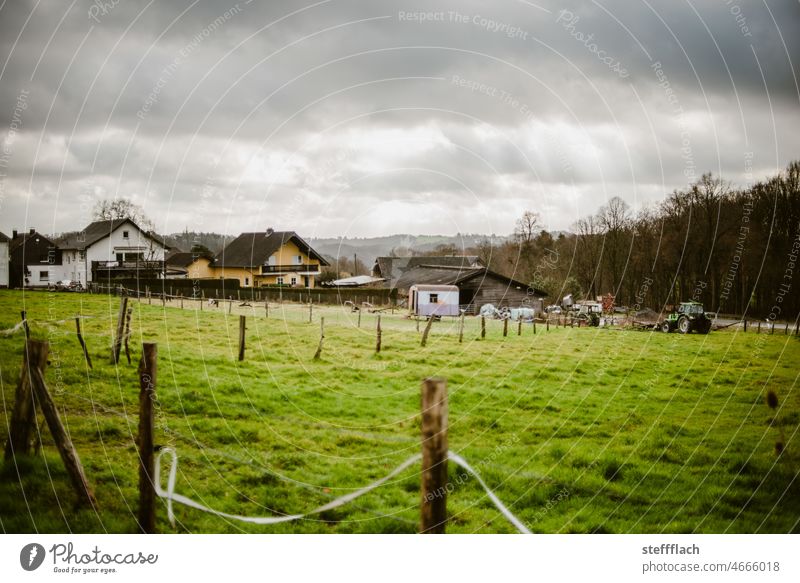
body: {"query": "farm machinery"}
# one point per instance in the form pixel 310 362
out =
pixel 688 317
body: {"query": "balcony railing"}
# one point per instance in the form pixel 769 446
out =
pixel 289 268
pixel 128 265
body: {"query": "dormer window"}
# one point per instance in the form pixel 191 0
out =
pixel 125 235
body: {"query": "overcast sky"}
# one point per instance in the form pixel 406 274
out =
pixel 339 118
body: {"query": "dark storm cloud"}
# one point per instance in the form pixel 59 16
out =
pixel 384 106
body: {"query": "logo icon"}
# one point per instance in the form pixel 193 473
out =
pixel 31 556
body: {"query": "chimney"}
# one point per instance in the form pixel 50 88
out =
pixel 270 230
pixel 32 231
pixel 14 234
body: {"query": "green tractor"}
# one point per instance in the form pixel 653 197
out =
pixel 689 317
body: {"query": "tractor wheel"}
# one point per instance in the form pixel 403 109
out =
pixel 665 328
pixel 684 325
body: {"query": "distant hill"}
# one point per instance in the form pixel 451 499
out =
pixel 369 248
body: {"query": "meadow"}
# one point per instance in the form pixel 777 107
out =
pixel 577 430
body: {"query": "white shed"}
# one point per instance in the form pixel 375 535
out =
pixel 433 300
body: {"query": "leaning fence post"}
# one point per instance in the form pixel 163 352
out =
pixel 22 418
pixel 82 342
pixel 433 510
pixel 123 310
pixel 426 332
pixel 378 336
pixel 148 368
pixel 318 353
pixel 241 337
pixel 69 456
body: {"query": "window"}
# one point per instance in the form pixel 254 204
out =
pixel 294 281
pixel 44 276
pixel 434 298
pixel 279 280
pixel 120 257
pixel 299 259
pixel 246 281
pixel 124 234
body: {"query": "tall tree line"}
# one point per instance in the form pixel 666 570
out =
pixel 734 249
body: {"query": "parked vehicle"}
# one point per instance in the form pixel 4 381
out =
pixel 554 309
pixel 589 312
pixel 68 285
pixel 689 317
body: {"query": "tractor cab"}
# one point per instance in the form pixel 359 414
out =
pixel 688 317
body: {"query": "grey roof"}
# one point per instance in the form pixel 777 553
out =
pixel 98 230
pixel 251 249
pixel 393 268
pixel 181 259
pixel 439 275
pixel 4 238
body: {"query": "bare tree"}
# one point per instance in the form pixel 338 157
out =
pixel 526 227
pixel 121 208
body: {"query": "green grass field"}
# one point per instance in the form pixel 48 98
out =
pixel 576 430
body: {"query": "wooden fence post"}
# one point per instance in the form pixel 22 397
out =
pixel 759 327
pixel 318 353
pixel 266 309
pixel 148 369
pixel 461 328
pixel 378 336
pixel 310 311
pixel 61 438
pixel 359 317
pixel 505 327
pixel 230 304
pixel 427 331
pixel 25 325
pixel 534 324
pixel 127 335
pixel 241 337
pixel 19 434
pixel 519 326
pixel 547 325
pixel 483 326
pixel 745 324
pixel 82 342
pixel 433 508
pixel 123 310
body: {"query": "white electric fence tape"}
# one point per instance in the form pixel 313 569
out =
pixel 170 495
pixel 11 331
pixel 500 506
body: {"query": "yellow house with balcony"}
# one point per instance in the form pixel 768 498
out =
pixel 265 258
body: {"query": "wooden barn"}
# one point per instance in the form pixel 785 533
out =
pixel 476 286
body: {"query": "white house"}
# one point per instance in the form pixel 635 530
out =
pixel 4 258
pixel 111 249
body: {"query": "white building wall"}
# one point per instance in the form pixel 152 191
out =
pixel 4 264
pixel 73 267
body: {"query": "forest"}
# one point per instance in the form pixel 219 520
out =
pixel 734 249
